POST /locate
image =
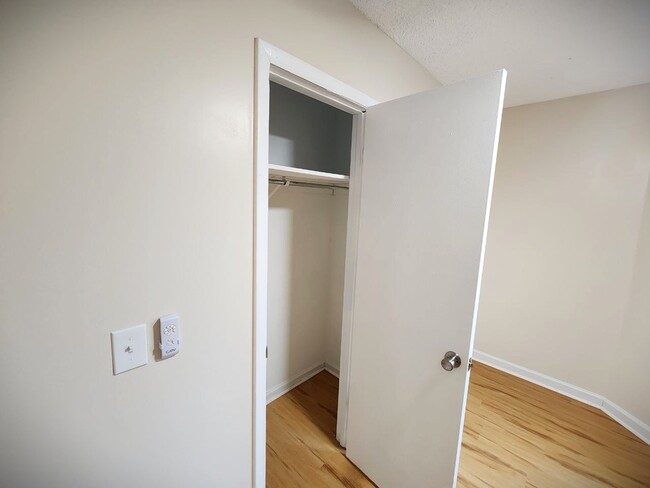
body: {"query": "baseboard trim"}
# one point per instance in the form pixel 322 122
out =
pixel 332 370
pixel 540 379
pixel 627 420
pixel 285 387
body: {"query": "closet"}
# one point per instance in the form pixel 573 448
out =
pixel 408 271
pixel 309 167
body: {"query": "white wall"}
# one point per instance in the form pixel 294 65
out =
pixel 126 171
pixel 563 253
pixel 307 231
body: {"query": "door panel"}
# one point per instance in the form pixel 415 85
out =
pixel 426 184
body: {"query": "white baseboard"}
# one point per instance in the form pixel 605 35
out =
pixel 540 379
pixel 627 420
pixel 332 370
pixel 287 386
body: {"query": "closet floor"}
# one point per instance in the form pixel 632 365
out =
pixel 301 448
pixel 516 434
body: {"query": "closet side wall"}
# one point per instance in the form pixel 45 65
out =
pixel 306 263
pixel 339 223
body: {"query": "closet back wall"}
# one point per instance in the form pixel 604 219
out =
pixel 308 134
pixel 307 232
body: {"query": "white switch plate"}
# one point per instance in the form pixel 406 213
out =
pixel 129 348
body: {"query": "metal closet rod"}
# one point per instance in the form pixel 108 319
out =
pixel 285 182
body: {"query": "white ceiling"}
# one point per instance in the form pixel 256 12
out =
pixel 551 48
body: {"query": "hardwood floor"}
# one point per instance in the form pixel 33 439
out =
pixel 301 449
pixel 516 435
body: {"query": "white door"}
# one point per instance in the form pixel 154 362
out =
pixel 428 168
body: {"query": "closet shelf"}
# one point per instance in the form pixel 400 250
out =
pixel 307 175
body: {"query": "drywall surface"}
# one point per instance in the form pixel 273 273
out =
pixel 307 231
pixel 126 193
pixel 563 254
pixel 629 385
pixel 339 222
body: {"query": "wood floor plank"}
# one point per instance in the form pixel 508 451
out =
pixel 302 450
pixel 517 435
pixel 551 439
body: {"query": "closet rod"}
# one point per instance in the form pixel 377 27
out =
pixel 283 182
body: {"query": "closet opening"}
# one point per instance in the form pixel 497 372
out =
pixel 396 305
pixel 310 146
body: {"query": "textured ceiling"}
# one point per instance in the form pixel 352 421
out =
pixel 551 48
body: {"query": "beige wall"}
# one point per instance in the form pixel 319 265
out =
pixel 564 256
pixel 307 232
pixel 338 240
pixel 126 171
pixel 629 385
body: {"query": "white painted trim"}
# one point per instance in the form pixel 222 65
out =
pixel 540 379
pixel 332 370
pixel 350 279
pixel 285 387
pixel 274 64
pixel 626 419
pixel 303 76
pixel 260 260
pixel 307 175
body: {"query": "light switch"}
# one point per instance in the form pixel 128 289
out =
pixel 129 348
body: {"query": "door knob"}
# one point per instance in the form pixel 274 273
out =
pixel 450 361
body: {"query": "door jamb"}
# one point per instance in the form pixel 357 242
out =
pixel 276 65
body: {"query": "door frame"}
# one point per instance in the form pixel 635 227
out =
pixel 273 64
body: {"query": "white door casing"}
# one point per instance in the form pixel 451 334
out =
pixel 272 63
pixel 425 197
